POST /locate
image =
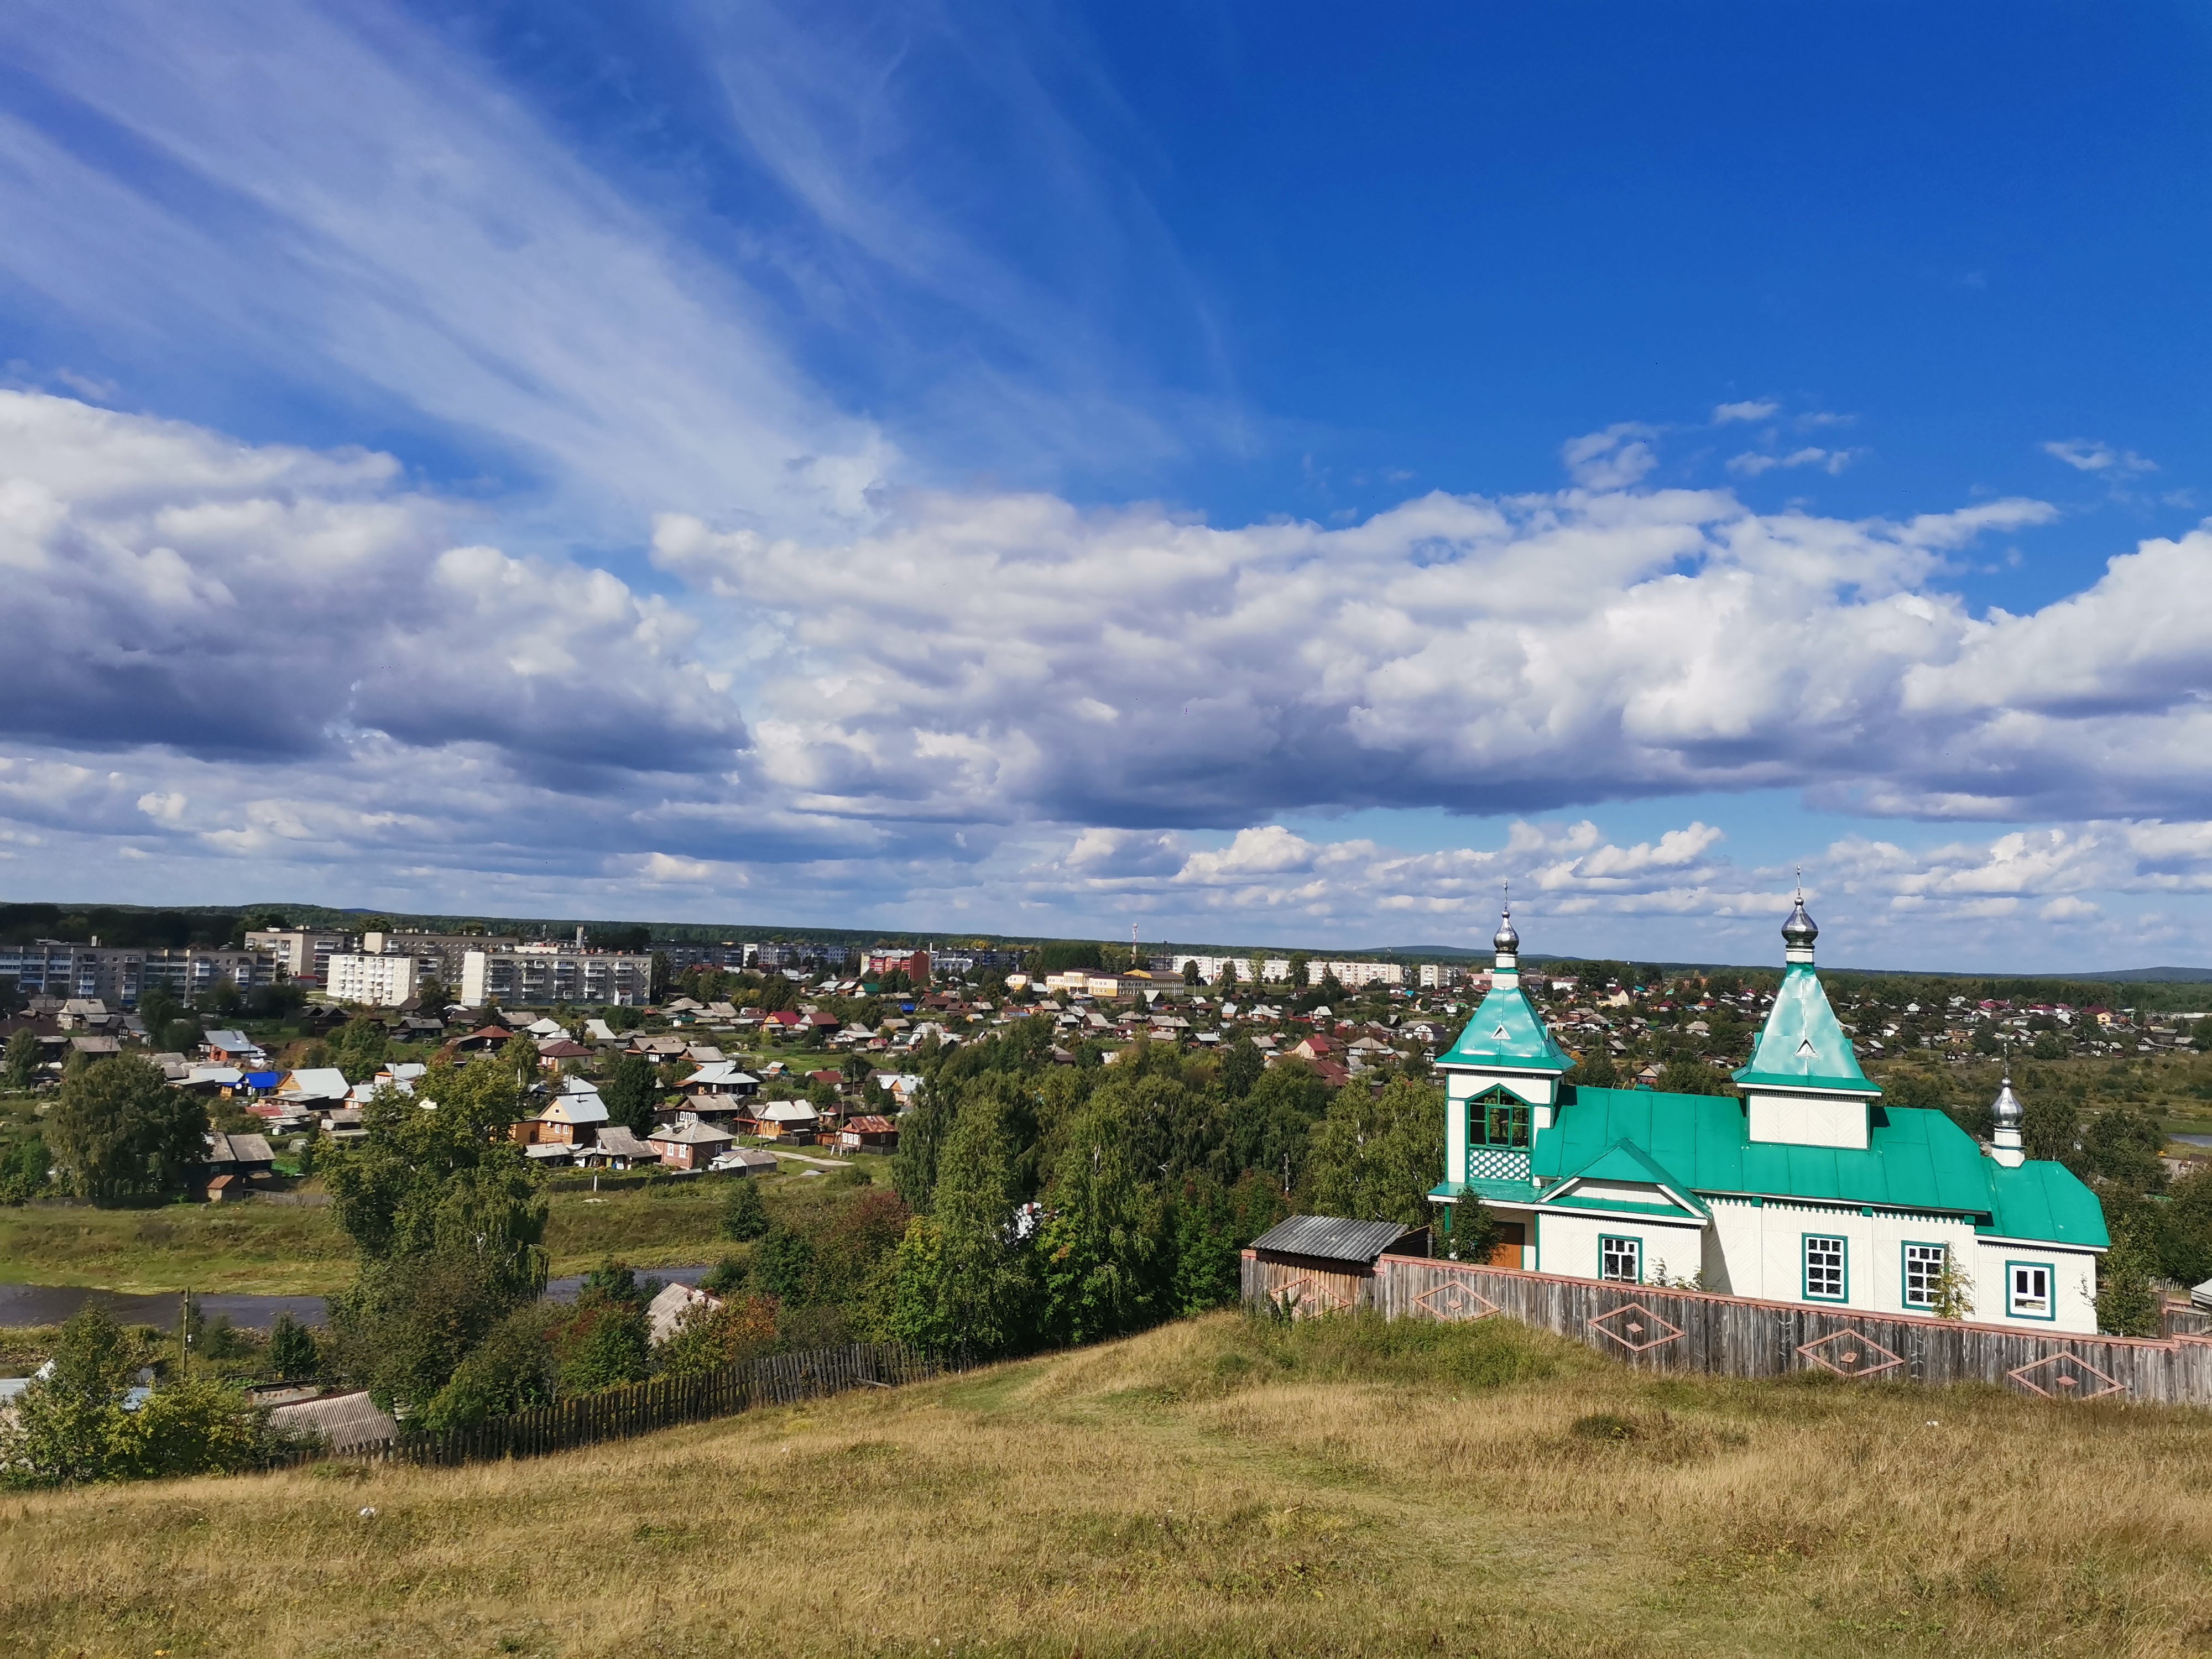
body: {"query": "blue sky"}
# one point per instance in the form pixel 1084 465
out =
pixel 1258 472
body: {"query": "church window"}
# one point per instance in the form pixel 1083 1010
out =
pixel 1923 1274
pixel 1497 1119
pixel 2029 1289
pixel 1824 1268
pixel 1620 1260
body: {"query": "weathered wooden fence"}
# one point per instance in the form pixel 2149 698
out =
pixel 776 1379
pixel 1672 1330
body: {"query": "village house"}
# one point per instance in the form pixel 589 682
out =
pixel 689 1145
pixel 1806 1188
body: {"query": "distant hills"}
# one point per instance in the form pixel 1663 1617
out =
pixel 2107 976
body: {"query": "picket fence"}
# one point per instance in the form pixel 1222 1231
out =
pixel 776 1379
pixel 1676 1330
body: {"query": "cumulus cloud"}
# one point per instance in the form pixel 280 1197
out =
pixel 2085 456
pixel 1612 459
pixel 1759 410
pixel 171 586
pixel 1004 657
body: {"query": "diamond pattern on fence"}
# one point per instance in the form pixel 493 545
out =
pixel 1850 1353
pixel 1636 1327
pixel 1455 1299
pixel 2065 1376
pixel 1310 1294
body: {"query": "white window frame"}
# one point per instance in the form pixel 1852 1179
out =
pixel 2034 1303
pixel 1841 1268
pixel 1932 1259
pixel 1621 1248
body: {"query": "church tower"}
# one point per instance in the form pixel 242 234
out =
pixel 1501 1077
pixel 1803 1086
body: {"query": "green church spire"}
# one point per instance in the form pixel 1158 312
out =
pixel 1803 1046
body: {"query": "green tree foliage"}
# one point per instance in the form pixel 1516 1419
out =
pixel 447 1218
pixel 602 1341
pixel 21 1065
pixel 292 1349
pixel 121 1134
pixel 1104 1257
pixel 745 1213
pixel 708 1338
pixel 511 1369
pixel 2122 1147
pixel 2050 1127
pixel 1375 1157
pixel 70 1428
pixel 961 1280
pixel 360 1046
pixel 1691 1076
pixel 2127 1296
pixel 632 1093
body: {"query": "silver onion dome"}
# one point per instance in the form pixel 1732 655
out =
pixel 2008 1111
pixel 1507 942
pixel 1798 931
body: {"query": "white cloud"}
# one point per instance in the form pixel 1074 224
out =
pixel 1832 461
pixel 1612 459
pixel 169 585
pixel 1744 412
pixel 421 242
pixel 2084 455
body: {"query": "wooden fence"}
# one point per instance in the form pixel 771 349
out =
pixel 1671 1330
pixel 776 1379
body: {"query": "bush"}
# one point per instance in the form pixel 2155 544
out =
pixel 70 1428
pixel 292 1352
pixel 744 1213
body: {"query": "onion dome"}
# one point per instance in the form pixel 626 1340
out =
pixel 1507 942
pixel 1798 931
pixel 2008 1111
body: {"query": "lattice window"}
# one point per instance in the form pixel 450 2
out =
pixel 1620 1260
pixel 1824 1268
pixel 1923 1274
pixel 1497 1119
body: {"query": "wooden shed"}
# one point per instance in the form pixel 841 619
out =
pixel 1333 1251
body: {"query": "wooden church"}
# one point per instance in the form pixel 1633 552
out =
pixel 1805 1187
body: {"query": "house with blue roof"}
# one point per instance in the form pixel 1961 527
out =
pixel 1803 1187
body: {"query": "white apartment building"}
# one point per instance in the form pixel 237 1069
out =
pixel 1209 968
pixel 372 981
pixel 1354 975
pixel 302 952
pixel 539 976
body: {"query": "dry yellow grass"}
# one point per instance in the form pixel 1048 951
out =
pixel 1212 1487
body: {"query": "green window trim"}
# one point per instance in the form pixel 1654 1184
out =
pixel 2050 1272
pixel 1842 1244
pixel 1904 1269
pixel 1619 1245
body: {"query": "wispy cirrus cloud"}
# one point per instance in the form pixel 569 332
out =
pixel 2085 456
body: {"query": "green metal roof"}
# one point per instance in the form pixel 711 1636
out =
pixel 1626 1162
pixel 1916 1160
pixel 1801 1046
pixel 1507 1031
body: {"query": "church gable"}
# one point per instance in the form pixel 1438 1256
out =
pixel 1624 1176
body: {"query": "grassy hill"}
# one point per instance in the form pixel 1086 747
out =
pixel 1217 1487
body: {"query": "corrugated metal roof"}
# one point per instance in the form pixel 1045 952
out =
pixel 1331 1238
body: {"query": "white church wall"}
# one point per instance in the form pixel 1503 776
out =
pixel 1567 1244
pixel 1808 1119
pixel 2073 1285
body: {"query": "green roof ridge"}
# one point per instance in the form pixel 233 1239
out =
pixel 1803 1046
